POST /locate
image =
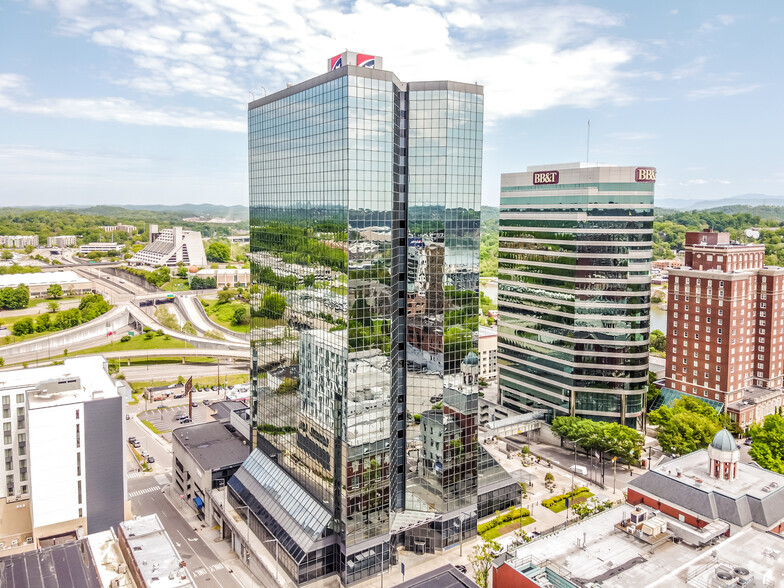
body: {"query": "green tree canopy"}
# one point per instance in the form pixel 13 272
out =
pixel 613 438
pixel 54 291
pixel 218 251
pixel 689 425
pixel 658 340
pixel 767 443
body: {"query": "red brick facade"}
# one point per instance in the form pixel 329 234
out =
pixel 723 316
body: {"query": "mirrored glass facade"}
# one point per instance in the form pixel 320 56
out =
pixel 364 214
pixel 575 252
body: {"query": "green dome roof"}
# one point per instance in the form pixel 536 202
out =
pixel 724 441
pixel 471 359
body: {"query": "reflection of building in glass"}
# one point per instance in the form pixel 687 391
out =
pixel 364 198
pixel 574 290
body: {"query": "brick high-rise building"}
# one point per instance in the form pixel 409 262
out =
pixel 724 343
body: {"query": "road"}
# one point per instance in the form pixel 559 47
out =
pixel 170 371
pixel 148 496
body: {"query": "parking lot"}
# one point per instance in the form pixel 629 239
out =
pixel 165 419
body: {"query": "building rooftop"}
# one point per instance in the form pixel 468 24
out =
pixel 154 553
pixel 79 379
pixel 224 408
pixel 596 550
pixel 757 495
pixel 447 576
pixel 724 441
pixel 65 565
pixel 211 445
pixel 41 279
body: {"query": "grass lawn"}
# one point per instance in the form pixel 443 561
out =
pixel 509 527
pixel 44 301
pixel 136 343
pixel 152 427
pixel 233 380
pixel 18 339
pixel 223 314
pixel 561 505
pixel 176 285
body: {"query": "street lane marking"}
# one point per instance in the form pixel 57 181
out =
pixel 132 475
pixel 199 572
pixel 136 493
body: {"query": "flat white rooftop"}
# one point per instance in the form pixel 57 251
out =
pixel 693 469
pixel 93 381
pixel 595 547
pixel 156 557
pixel 41 279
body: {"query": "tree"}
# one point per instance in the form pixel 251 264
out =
pixel 658 340
pixel 43 323
pixel 623 441
pixel 225 296
pixel 53 306
pixel 6 255
pixel 689 425
pixel 309 280
pixel 218 251
pixel 481 559
pixel 549 481
pixel 54 291
pixel 23 327
pixel 767 443
pixel 241 316
pixel 182 272
pixel 14 298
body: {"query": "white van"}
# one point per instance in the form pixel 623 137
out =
pixel 578 469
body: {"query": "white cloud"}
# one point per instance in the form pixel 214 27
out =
pixel 530 57
pixel 717 23
pixel 712 91
pixel 113 109
pixel 690 68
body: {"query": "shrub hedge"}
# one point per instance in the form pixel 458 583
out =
pixel 548 502
pixel 507 517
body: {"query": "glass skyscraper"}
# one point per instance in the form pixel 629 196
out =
pixel 574 255
pixel 364 214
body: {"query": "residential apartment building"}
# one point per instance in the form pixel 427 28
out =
pixel 170 247
pixel 233 278
pixel 376 183
pixel 64 455
pixel 130 229
pixel 61 241
pixel 574 290
pixel 18 241
pixel 725 342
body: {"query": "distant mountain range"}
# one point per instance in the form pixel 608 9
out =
pixel 719 204
pixel 185 210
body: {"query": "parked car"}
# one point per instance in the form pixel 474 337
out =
pixel 462 568
pixel 186 420
pixel 131 439
pixel 136 444
pixel 127 417
pixel 747 441
pixel 179 395
pixel 205 401
pixel 194 403
pixel 150 459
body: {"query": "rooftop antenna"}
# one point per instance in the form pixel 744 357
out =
pixel 588 143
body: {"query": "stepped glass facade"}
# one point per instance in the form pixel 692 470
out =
pixel 364 216
pixel 574 290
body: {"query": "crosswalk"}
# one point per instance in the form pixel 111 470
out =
pixel 132 475
pixel 201 571
pixel 136 493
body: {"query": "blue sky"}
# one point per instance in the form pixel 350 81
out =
pixel 144 101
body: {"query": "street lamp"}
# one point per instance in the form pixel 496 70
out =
pixel 574 467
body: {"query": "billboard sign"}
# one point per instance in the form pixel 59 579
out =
pixel 366 60
pixel 645 174
pixel 336 62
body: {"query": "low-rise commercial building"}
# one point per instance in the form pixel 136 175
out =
pixel 72 283
pixel 153 560
pixel 231 277
pixel 171 246
pixel 61 241
pixel 108 246
pixel 18 241
pixel 204 457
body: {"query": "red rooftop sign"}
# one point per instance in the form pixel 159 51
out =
pixel 645 174
pixel 546 177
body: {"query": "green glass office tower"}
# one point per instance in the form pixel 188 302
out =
pixel 364 217
pixel 574 290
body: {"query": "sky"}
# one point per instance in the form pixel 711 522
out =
pixel 145 101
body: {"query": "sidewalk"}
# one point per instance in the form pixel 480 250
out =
pixel 221 548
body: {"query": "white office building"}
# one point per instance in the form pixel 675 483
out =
pixel 170 247
pixel 61 241
pixel 63 431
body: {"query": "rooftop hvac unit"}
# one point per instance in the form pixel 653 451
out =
pixel 724 578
